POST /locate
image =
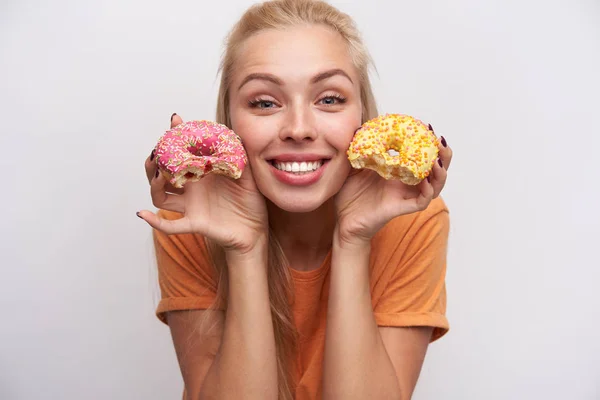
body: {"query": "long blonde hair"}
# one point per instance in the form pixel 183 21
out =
pixel 281 14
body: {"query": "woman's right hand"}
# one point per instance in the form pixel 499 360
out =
pixel 231 212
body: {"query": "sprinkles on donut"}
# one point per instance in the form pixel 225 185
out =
pixel 396 146
pixel 193 149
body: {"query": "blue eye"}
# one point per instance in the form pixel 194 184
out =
pixel 266 104
pixel 329 101
pixel 263 104
pixel 333 99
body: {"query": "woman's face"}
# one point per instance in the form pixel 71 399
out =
pixel 295 102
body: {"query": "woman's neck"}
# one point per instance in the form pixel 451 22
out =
pixel 304 237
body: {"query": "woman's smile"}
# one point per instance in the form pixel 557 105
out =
pixel 298 173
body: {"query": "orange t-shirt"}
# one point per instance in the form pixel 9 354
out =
pixel 407 279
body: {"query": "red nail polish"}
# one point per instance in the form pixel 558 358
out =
pixel 152 155
pixel 138 214
pixel 440 162
pixel 156 174
pixel 428 178
pixel 431 129
pixel 174 114
pixel 444 142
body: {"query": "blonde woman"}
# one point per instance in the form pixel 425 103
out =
pixel 280 285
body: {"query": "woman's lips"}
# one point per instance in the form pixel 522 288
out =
pixel 298 178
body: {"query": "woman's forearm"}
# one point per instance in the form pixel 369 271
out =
pixel 356 364
pixel 245 366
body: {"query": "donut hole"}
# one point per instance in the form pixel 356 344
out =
pixel 189 175
pixel 393 152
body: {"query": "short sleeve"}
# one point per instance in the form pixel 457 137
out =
pixel 186 276
pixel 415 290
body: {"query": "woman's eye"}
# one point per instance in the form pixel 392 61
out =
pixel 261 103
pixel 332 100
pixel 266 104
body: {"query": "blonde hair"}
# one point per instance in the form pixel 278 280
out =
pixel 281 14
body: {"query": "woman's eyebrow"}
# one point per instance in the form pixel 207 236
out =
pixel 328 74
pixel 317 78
pixel 263 77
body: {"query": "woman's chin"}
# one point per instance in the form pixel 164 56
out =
pixel 297 205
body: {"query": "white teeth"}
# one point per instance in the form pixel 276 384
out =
pixel 298 166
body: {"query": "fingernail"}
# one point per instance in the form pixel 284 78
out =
pixel 174 114
pixel 152 155
pixel 444 142
pixel 138 214
pixel 428 178
pixel 431 129
pixel 440 163
pixel 156 174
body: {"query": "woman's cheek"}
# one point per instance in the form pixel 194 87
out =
pixel 341 138
pixel 250 135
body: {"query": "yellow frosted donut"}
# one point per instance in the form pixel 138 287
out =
pixel 396 146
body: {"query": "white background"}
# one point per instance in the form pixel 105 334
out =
pixel 86 88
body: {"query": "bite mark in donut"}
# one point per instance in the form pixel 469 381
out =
pixel 193 149
pixel 414 147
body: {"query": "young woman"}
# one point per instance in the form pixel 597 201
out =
pixel 321 284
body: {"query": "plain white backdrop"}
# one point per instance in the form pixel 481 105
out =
pixel 86 88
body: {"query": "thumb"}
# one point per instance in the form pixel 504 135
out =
pixel 170 227
pixel 175 120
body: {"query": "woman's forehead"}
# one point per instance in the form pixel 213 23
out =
pixel 293 53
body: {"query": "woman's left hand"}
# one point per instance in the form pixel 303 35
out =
pixel 367 201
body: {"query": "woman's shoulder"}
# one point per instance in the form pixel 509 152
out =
pixel 186 275
pixel 408 270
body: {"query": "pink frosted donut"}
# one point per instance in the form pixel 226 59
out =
pixel 195 148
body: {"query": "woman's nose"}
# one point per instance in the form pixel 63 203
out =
pixel 298 125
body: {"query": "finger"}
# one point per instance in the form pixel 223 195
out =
pixel 172 189
pixel 151 172
pixel 414 198
pixel 169 227
pixel 425 196
pixel 150 166
pixel 445 153
pixel 354 171
pixel 246 180
pixel 175 120
pixel 161 198
pixel 438 177
pixel 247 172
pixel 417 198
